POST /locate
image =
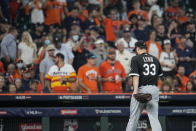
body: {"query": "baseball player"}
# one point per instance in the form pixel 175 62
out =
pixel 145 70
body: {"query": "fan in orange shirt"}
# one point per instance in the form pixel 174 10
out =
pixel 184 79
pixel 112 73
pixel 138 11
pixel 53 12
pixel 193 74
pixel 111 25
pixel 2 70
pixel 88 75
pixel 153 47
pixel 182 18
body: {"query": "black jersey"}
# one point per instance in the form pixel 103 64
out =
pixel 147 67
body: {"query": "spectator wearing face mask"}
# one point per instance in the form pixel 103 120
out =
pixel 73 39
pixel 19 66
pixel 42 51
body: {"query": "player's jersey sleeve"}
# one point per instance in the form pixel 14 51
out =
pixel 134 71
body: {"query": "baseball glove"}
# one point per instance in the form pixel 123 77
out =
pixel 143 97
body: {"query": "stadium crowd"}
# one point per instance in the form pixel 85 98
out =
pixel 87 45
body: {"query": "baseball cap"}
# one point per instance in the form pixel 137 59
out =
pixel 126 30
pixel 50 47
pixel 99 41
pixel 90 55
pixel 140 44
pixel 57 38
pixel 167 41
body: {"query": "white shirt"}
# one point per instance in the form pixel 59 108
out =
pixel 26 53
pixel 167 59
pixel 125 59
pixel 70 43
pixel 129 46
pixel 66 51
pixel 37 15
pixel 153 50
pixel 66 70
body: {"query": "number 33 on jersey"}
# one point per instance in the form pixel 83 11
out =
pixel 147 67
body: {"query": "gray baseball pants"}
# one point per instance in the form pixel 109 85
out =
pixel 151 107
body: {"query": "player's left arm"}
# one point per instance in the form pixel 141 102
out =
pixel 134 71
pixel 135 84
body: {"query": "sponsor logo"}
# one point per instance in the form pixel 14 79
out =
pixel 120 97
pixel 165 97
pixel 30 127
pixel 85 97
pixel 123 97
pixel 97 111
pixel 69 112
pixel 67 97
pixel 33 112
pixel 127 97
pixel 187 111
pixel 3 112
pixel 70 125
pixel 23 97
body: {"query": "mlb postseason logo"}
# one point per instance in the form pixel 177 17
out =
pixel 68 97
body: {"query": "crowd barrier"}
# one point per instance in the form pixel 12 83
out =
pixel 20 117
